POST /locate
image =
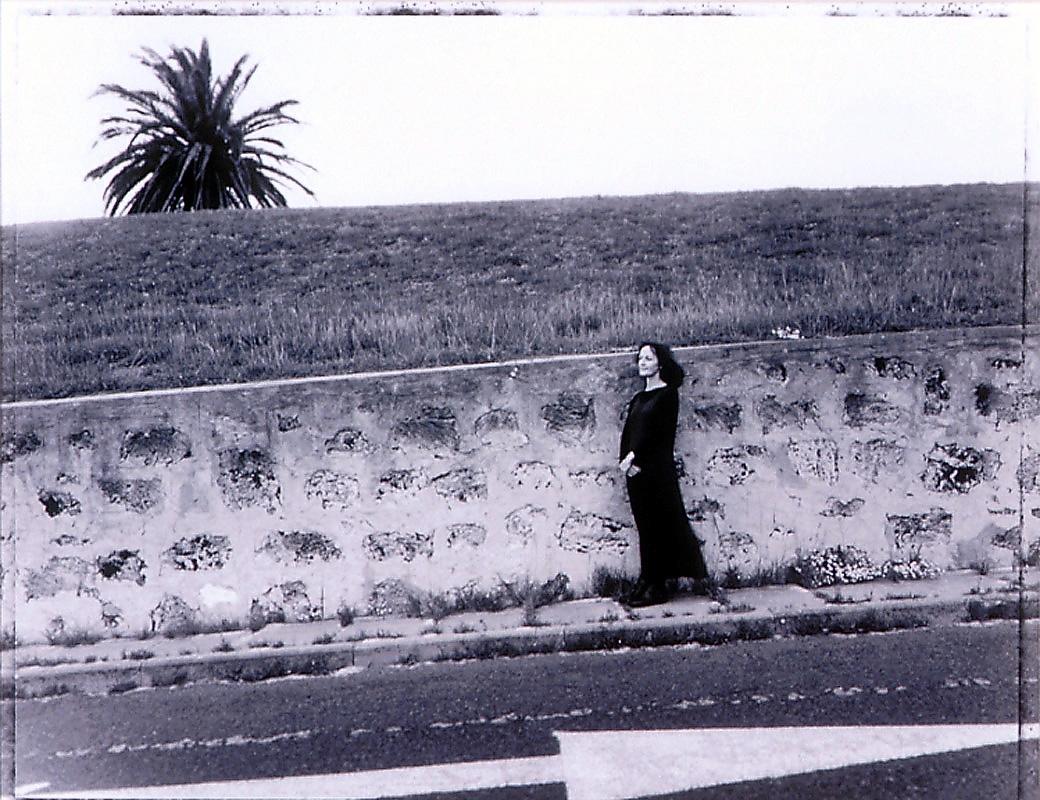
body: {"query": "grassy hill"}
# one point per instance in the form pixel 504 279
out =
pixel 168 300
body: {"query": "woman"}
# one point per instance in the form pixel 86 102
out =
pixel 667 546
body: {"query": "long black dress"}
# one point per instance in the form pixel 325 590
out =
pixel 667 546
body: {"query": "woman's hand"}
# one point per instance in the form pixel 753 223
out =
pixel 627 465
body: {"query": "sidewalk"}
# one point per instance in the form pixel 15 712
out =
pixel 324 647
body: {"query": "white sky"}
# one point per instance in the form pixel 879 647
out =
pixel 421 109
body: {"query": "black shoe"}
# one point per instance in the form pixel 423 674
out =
pixel 655 595
pixel 636 593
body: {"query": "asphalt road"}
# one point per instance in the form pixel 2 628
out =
pixel 508 709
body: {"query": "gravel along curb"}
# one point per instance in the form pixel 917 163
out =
pixel 258 665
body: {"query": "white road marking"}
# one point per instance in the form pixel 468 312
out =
pixel 460 777
pixel 19 791
pixel 508 718
pixel 236 740
pixel 596 765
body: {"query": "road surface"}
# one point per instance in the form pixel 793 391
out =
pixel 668 722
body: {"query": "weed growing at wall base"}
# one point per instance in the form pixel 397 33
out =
pixel 980 610
pixel 71 636
pixel 610 582
pixel 772 575
pixel 522 592
pixel 832 565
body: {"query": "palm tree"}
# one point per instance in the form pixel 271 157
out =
pixel 186 151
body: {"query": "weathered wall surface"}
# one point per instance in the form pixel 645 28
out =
pixel 140 511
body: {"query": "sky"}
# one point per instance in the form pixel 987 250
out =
pixel 576 100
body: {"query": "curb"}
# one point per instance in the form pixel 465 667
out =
pixel 257 665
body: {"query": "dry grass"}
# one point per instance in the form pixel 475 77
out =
pixel 170 300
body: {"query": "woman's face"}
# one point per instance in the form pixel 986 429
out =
pixel 647 362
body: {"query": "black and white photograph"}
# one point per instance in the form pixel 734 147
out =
pixel 549 400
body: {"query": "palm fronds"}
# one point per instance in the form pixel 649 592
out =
pixel 186 150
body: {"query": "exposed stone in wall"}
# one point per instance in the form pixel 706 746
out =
pixel 838 508
pixel 333 488
pixel 936 391
pixel 137 495
pixel 534 475
pixel 592 533
pixel 862 410
pixel 783 415
pixel 15 445
pixel 392 598
pixel 58 503
pixel 1003 406
pixel 1028 472
pixel 717 416
pixel 499 427
pixel 247 479
pixel 774 371
pixel 65 479
pixel 892 367
pixel 1007 538
pixel 288 422
pixel 836 365
pixel 1006 363
pixel 733 465
pixel 952 468
pixel 407 481
pixel 909 533
pixel 161 445
pixel 555 590
pixel 572 417
pixel 700 510
pixel 522 522
pixel 68 540
pixel 299 547
pixel 397 544
pixel 463 484
pixel 286 602
pixel 993 402
pixel 877 457
pixel 82 440
pixel 598 477
pixel 816 458
pixel 122 565
pixel 348 440
pixel 60 573
pixel 172 615
pixel 434 427
pixel 680 467
pixel 58 627
pixel 111 615
pixel 201 552
pixel 465 533
pixel 737 551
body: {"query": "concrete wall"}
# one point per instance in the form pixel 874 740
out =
pixel 131 511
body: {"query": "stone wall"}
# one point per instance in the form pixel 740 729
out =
pixel 292 498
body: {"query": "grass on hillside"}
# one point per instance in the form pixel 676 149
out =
pixel 184 299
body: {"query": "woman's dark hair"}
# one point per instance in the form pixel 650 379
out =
pixel 671 372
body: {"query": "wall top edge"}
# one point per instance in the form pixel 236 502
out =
pixel 767 347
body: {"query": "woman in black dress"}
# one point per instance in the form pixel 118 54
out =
pixel 667 547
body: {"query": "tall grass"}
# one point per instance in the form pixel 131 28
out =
pixel 168 300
